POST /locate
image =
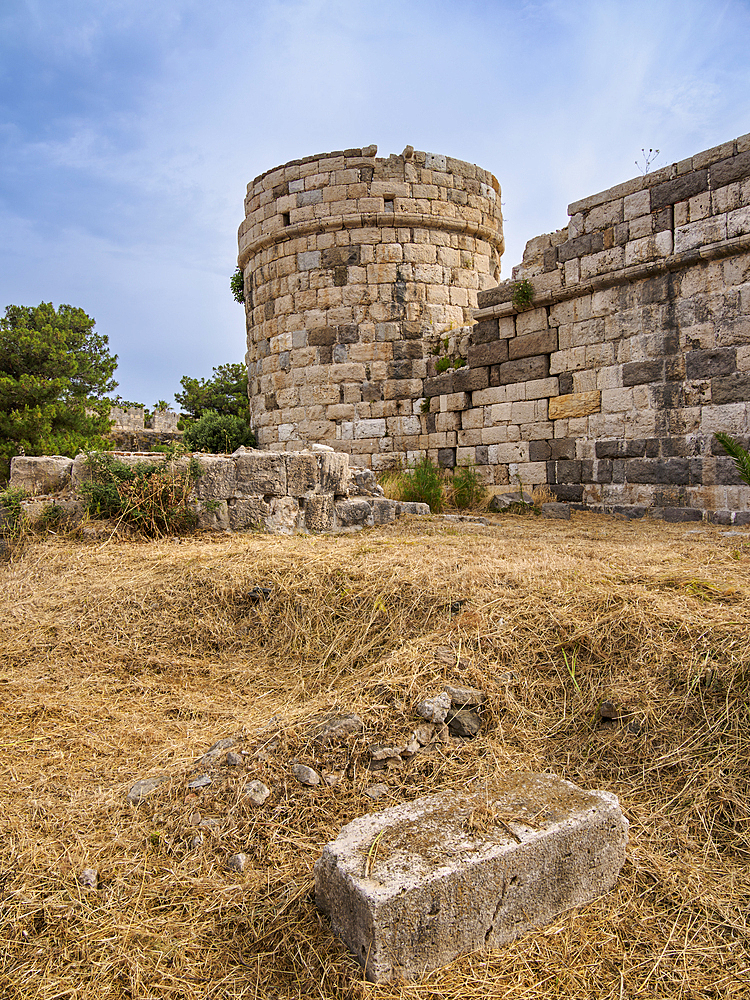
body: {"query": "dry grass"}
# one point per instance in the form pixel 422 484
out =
pixel 124 660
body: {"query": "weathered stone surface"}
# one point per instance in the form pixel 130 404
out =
pixel 261 473
pixel 319 513
pixel 556 511
pixel 411 888
pixel 301 473
pixel 285 517
pixel 219 479
pixel 143 788
pixel 465 697
pixel 43 474
pixel 354 514
pixel 333 473
pixel 336 728
pixel 435 709
pixel 256 792
pixel 576 404
pixel 463 722
pixel 306 775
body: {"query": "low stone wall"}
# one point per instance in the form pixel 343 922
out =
pixel 278 492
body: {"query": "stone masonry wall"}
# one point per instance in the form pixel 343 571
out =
pixel 277 492
pixel 635 352
pixel 354 267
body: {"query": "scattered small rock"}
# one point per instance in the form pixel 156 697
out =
pixel 213 753
pixel 607 711
pixel 411 748
pixel 237 862
pixel 257 793
pixel 382 757
pixel 202 781
pixel 234 759
pixel 337 728
pixel 376 791
pixel 442 733
pixel 635 728
pixel 89 878
pixel 305 775
pixel 435 709
pixel 258 594
pixel 194 818
pixel 332 779
pixel 141 789
pixel 445 655
pixel 503 500
pixel 465 697
pixel 463 722
pixel 424 735
pixel 197 841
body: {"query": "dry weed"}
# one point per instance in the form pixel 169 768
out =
pixel 124 660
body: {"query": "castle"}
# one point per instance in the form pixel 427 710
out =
pixel 376 325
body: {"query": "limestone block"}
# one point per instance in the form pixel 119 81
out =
pixel 333 472
pixel 319 513
pixel 261 473
pixel 575 404
pixel 354 514
pixel 43 474
pixel 285 516
pixel 215 519
pixel 383 510
pixel 405 507
pixel 411 888
pixel 249 513
pixel 301 473
pixel 219 479
pixel 66 508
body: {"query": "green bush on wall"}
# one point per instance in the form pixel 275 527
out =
pixel 218 433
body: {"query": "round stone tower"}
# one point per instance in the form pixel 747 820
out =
pixel 359 271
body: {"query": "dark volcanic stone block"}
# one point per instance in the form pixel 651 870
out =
pixel 407 349
pixel 485 331
pixel 641 372
pixel 678 189
pixel 670 471
pixel 523 370
pixel 482 355
pixel 732 169
pixel 569 493
pixel 562 448
pixel 539 451
pixel 568 471
pixel 707 364
pixel 447 458
pixel 470 379
pixel 543 342
pixel 580 246
pixel 565 383
pixel 441 385
pixel 677 514
pixel 731 388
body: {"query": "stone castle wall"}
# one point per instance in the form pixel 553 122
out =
pixel 354 267
pixel 361 274
pixel 635 353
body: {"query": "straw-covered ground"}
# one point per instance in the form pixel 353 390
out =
pixel 124 660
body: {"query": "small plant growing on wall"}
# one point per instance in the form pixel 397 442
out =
pixel 523 294
pixel 737 453
pixel 237 284
pixel 442 365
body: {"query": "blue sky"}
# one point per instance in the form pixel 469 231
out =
pixel 129 130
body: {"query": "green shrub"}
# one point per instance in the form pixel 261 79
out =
pixel 459 362
pixel 442 365
pixel 740 457
pixel 468 490
pixel 422 482
pixel 151 496
pixel 217 433
pixel 10 509
pixel 523 294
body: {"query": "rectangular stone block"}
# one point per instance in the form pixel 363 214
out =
pixel 218 480
pixel 541 342
pixel 731 389
pixel 470 379
pixel 301 473
pixel 411 888
pixel 575 404
pixel 523 370
pixel 41 474
pixel 261 473
pixel 480 355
